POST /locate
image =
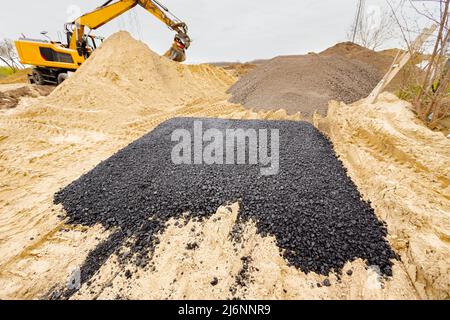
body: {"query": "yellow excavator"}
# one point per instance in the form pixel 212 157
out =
pixel 53 61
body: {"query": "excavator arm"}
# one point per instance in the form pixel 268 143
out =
pixel 112 9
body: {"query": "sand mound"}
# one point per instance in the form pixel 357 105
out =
pixel 237 69
pixel 402 167
pixel 305 83
pixel 124 73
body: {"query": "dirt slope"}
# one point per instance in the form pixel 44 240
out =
pixel 12 94
pixel 124 91
pixel 237 69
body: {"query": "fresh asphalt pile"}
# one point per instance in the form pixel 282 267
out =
pixel 311 206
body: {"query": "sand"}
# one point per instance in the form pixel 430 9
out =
pixel 106 105
pixel 124 91
pixel 402 167
pixel 237 69
pixel 181 273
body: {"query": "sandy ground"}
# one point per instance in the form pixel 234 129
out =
pixel 10 86
pixel 402 168
pixel 46 145
pixel 13 94
pixel 179 273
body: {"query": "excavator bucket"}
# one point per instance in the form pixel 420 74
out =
pixel 177 51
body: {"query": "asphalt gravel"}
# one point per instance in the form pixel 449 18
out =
pixel 311 206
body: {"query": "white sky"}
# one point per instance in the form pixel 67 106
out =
pixel 227 30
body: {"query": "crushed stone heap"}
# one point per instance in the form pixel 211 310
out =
pixel 311 206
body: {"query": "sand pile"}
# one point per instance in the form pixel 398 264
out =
pixel 125 78
pixel 237 69
pixel 11 94
pixel 305 83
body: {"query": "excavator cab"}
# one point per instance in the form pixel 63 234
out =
pixel 52 61
pixel 90 45
pixel 86 45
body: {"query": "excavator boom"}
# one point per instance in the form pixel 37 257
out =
pixel 104 14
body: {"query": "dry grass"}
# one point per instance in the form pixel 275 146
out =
pixel 20 76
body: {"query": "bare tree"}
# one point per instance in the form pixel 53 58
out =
pixel 373 26
pixel 8 54
pixel 432 101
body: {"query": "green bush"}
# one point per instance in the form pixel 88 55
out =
pixel 6 71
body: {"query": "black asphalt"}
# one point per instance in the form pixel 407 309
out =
pixel 312 207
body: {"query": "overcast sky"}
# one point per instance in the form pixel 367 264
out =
pixel 229 30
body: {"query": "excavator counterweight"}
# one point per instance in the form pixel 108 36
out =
pixel 53 61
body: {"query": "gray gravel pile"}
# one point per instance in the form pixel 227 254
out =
pixel 311 206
